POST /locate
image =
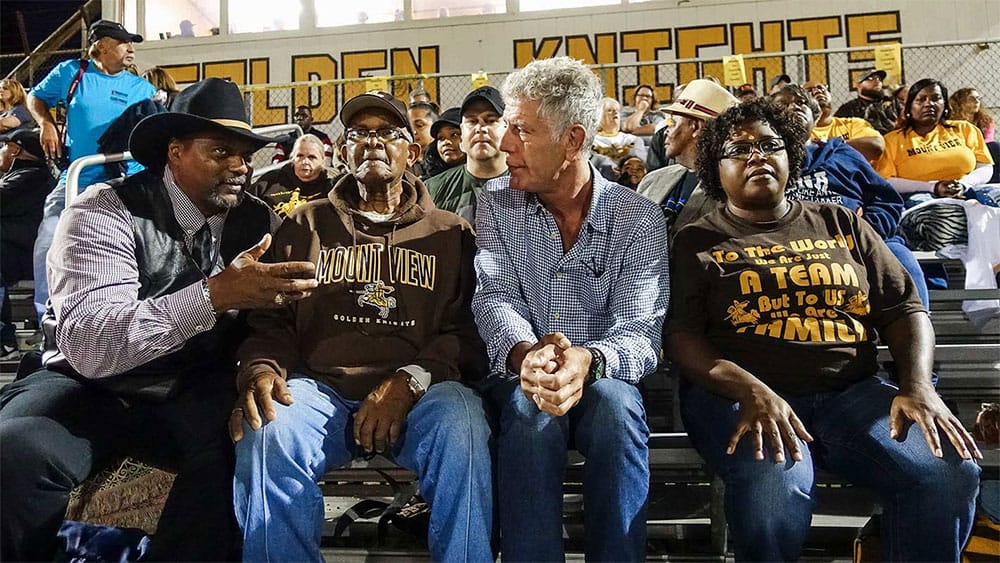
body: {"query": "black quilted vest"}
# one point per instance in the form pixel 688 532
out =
pixel 165 267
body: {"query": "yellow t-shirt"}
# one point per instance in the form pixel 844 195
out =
pixel 945 153
pixel 846 128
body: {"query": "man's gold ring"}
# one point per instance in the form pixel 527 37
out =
pixel 280 299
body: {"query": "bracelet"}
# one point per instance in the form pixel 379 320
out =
pixel 208 295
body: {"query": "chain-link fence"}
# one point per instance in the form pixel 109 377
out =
pixel 958 64
pixel 955 64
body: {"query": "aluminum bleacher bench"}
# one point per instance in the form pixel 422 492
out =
pixel 674 464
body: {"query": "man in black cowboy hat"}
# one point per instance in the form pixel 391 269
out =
pixel 147 279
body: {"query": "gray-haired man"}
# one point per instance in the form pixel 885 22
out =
pixel 570 297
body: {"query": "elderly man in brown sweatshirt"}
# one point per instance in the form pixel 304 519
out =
pixel 373 362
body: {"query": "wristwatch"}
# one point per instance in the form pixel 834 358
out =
pixel 597 364
pixel 416 387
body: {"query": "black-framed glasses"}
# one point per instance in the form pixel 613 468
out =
pixel 742 150
pixel 385 134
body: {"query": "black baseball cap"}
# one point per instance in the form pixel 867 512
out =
pixel 27 139
pixel 874 72
pixel 114 30
pixel 451 116
pixel 780 78
pixel 376 99
pixel 488 93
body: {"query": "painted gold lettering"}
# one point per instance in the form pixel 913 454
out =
pixel 816 34
pixel 315 67
pixel 647 46
pixel 426 62
pixel 354 65
pixel 690 40
pixel 261 111
pixel 602 51
pixel 525 50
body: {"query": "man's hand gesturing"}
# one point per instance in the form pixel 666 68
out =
pixel 248 283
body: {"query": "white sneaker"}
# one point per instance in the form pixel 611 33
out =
pixel 9 353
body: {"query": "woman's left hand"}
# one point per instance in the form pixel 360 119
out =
pixel 769 419
pixel 924 406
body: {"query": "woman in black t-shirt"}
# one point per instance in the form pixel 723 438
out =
pixel 775 309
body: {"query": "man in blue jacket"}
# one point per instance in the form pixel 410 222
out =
pixel 837 173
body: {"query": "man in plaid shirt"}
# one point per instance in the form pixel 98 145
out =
pixel 571 293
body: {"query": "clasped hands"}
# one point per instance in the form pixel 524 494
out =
pixel 248 283
pixel 553 373
pixel 769 419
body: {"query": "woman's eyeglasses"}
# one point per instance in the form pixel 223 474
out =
pixel 742 150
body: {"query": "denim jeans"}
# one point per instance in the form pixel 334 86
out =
pixel 445 441
pixel 8 335
pixel 608 427
pixel 55 432
pixel 909 262
pixel 55 203
pixel 928 503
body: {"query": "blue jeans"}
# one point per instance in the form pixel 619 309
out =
pixel 56 431
pixel 55 203
pixel 8 335
pixel 608 427
pixel 445 441
pixel 909 262
pixel 928 503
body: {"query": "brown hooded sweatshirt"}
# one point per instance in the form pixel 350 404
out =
pixel 391 294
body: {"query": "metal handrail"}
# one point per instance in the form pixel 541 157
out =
pixel 272 129
pixel 77 166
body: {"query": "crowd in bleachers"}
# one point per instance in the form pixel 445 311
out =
pixel 505 213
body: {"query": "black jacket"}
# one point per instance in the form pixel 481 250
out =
pixel 22 196
pixel 165 267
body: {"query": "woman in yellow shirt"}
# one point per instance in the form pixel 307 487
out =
pixel 930 155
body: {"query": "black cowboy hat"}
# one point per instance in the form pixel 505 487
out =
pixel 212 104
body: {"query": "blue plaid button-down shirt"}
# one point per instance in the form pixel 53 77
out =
pixel 609 291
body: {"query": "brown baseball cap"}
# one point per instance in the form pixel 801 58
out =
pixel 376 99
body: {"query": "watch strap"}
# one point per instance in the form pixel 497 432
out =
pixel 597 364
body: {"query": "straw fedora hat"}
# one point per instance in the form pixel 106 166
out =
pixel 702 99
